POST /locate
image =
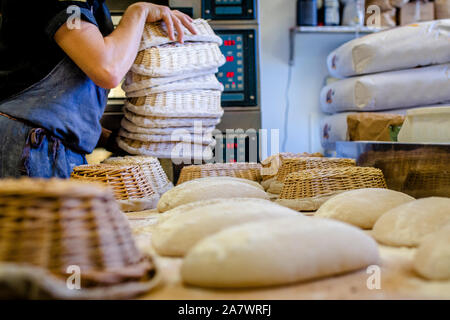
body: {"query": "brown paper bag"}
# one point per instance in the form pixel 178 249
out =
pixel 369 126
pixel 442 9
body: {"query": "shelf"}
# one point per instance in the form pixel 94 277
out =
pixel 335 29
pixel 325 30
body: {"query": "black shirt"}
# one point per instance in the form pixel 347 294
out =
pixel 28 51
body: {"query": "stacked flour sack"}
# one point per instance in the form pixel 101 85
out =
pixel 388 72
pixel 174 97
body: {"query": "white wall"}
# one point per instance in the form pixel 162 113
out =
pixel 308 75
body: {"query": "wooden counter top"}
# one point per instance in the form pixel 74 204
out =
pixel 398 280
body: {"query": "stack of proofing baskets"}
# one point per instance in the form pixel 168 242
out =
pixel 174 98
pixel 388 71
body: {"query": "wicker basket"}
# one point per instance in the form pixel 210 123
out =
pixel 131 187
pixel 155 34
pixel 307 190
pixel 289 165
pixel 131 127
pixel 271 165
pixel 397 165
pixel 178 104
pixel 48 225
pixel 166 150
pixel 174 59
pixel 164 122
pixel 205 82
pixel 137 82
pixel 423 183
pixel 151 167
pixel 250 171
pixel 175 136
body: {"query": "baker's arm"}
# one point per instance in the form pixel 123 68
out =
pixel 106 60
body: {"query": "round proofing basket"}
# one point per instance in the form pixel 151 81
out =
pixel 131 127
pixel 397 165
pixel 289 165
pixel 164 122
pixel 176 136
pixel 136 82
pixel 177 151
pixel 307 190
pixel 173 59
pixel 178 104
pixel 250 171
pixel 271 164
pixel 51 225
pixel 205 82
pixel 151 168
pixel 131 187
pixel 428 183
pixel 155 34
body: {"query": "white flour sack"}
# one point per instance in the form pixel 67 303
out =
pixel 388 90
pixel 404 47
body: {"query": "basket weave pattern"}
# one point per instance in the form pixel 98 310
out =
pixel 155 34
pixel 428 182
pixel 128 182
pixel 397 165
pixel 289 165
pixel 196 103
pixel 250 171
pixel 272 163
pixel 203 82
pixel 172 59
pixel 137 82
pixel 56 224
pixel 162 122
pixel 317 182
pixel 131 127
pixel 151 168
pixel 173 85
pixel 166 150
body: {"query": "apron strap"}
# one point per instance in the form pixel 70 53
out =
pixel 34 141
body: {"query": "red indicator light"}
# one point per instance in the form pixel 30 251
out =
pixel 230 74
pixel 230 58
pixel 229 42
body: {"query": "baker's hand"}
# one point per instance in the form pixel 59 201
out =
pixel 174 19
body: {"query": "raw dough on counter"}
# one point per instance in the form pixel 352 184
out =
pixel 180 232
pixel 432 259
pixel 362 207
pixel 210 188
pixel 276 252
pixel 409 223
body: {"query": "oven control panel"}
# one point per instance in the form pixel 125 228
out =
pixel 239 74
pixel 229 9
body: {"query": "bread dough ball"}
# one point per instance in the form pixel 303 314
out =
pixel 432 259
pixel 210 188
pixel 181 230
pixel 362 207
pixel 409 223
pixel 276 252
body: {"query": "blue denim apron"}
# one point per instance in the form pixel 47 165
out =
pixel 46 130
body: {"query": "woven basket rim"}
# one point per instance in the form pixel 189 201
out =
pixel 318 173
pixel 53 187
pixel 53 286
